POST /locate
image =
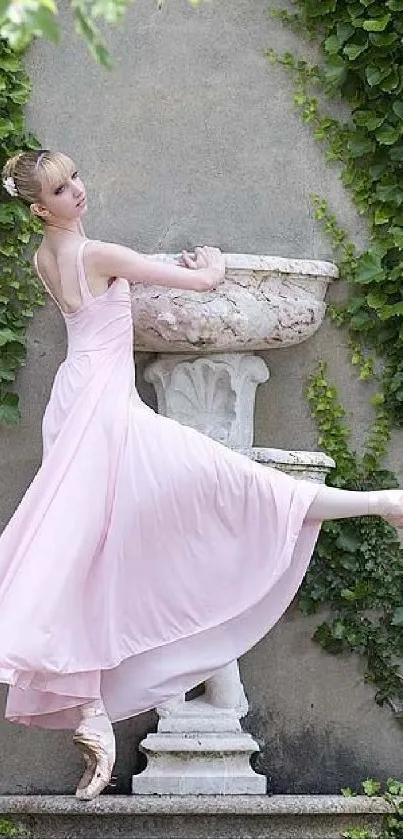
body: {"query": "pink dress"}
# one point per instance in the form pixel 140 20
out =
pixel 144 555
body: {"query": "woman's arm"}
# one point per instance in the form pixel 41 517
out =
pixel 202 273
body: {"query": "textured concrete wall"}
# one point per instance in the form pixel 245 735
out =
pixel 193 139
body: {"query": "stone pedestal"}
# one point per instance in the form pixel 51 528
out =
pixel 214 395
pixel 199 747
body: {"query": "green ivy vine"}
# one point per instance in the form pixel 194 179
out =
pixel 358 563
pixel 357 567
pixel 362 65
pixel 9 828
pixel 20 291
pixel 392 822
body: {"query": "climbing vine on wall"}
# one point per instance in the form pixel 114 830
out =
pixel 363 65
pixel 358 563
pixel 20 292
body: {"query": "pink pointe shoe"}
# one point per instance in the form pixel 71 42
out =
pixel 96 740
pixel 387 503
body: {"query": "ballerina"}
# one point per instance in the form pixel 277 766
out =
pixel 144 556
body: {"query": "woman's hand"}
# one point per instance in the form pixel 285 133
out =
pixel 209 259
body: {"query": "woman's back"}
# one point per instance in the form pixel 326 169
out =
pixel 58 268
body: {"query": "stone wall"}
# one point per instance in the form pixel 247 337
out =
pixel 193 139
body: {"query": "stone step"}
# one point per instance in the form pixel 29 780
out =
pixel 191 817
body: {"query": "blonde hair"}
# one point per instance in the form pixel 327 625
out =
pixel 31 170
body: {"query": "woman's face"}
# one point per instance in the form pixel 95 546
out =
pixel 64 201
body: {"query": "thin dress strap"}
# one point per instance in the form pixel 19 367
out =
pixel 46 286
pixel 82 279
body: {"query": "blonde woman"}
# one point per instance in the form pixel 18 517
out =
pixel 144 556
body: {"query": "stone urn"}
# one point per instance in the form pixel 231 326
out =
pixel 264 302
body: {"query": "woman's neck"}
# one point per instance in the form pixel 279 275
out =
pixel 76 228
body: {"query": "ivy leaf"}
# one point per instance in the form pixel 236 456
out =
pixel 324 636
pixel 6 128
pixel 394 787
pixel 347 594
pixel 395 5
pixel 377 24
pixel 325 6
pixel 387 134
pixel 397 619
pixel 7 213
pixel 43 23
pixel 391 81
pixel 398 108
pixel 9 410
pixel 374 74
pixel 10 62
pixel 360 145
pixel 378 169
pixel 348 542
pixel 335 70
pixel 338 629
pixel 391 311
pixel 376 299
pixel 368 119
pixel 383 39
pixel 332 45
pixel 390 192
pixel 7 336
pixel 397 234
pixel 85 27
pixel 371 787
pixel 344 31
pixel 381 215
pixel 354 50
pixel 369 269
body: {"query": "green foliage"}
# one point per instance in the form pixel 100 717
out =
pixel 20 291
pixel 8 828
pixel 23 20
pixel 392 822
pixel 363 65
pixel 358 563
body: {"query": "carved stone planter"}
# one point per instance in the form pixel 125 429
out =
pixel 265 301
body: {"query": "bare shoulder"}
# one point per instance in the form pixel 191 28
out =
pixel 108 258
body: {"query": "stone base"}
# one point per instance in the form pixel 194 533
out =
pixel 193 817
pixel 199 764
pixel 199 749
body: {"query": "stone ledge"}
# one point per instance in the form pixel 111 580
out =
pixel 258 262
pixel 278 805
pixel 192 817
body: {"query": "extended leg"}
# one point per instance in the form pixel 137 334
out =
pixel 332 503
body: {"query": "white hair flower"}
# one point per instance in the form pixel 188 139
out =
pixel 9 185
